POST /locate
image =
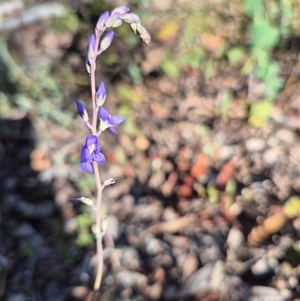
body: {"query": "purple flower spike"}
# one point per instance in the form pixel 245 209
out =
pixel 108 121
pixel 101 94
pixel 107 40
pixel 91 152
pixel 101 21
pixel 82 111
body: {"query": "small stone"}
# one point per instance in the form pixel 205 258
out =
pixel 155 290
pixel 142 143
pixel 272 155
pixel 210 277
pixel 261 267
pixel 131 278
pixel 287 136
pixel 235 240
pixel 255 144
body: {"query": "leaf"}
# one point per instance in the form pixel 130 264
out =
pixel 201 166
pixel 263 35
pixel 135 73
pixel 168 32
pixel 254 8
pixel 225 173
pixel 260 113
pixel 235 55
pixel 291 208
pixel 84 239
pixel 170 68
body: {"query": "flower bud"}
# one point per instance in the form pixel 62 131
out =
pixel 101 21
pixel 130 18
pixel 109 181
pixel 121 10
pixel 91 47
pixel 112 19
pixel 101 95
pixel 82 111
pixel 86 201
pixel 107 40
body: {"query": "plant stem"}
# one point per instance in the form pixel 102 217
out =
pixel 99 228
pixel 99 232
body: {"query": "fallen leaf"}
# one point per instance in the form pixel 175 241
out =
pixel 172 226
pixel 211 42
pixel 270 226
pixel 225 173
pixel 168 32
pixel 200 168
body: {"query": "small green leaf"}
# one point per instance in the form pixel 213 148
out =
pixel 235 55
pixel 260 113
pixel 263 35
pixel 254 8
pixel 213 193
pixel 84 239
pixel 135 73
pixel 170 68
pixel 291 208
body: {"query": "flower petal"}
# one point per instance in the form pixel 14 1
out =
pixel 103 114
pixel 85 155
pixel 88 166
pixel 115 120
pixel 100 158
pixel 92 139
pixel 113 130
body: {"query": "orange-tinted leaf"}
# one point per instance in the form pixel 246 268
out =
pixel 225 173
pixel 200 168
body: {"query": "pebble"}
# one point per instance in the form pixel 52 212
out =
pixel 210 277
pixel 287 136
pixel 255 144
pixel 130 278
pixel 235 240
pixel 130 258
pixel 272 155
pixel 208 250
pixel 71 225
pixel 261 267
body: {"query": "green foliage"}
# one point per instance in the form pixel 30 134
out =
pixel 170 68
pixel 236 55
pixel 193 58
pixel 85 238
pixel 260 113
pixel 263 34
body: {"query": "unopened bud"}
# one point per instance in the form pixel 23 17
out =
pixel 86 201
pixel 107 40
pixel 109 181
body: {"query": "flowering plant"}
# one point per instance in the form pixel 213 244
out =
pixel 91 154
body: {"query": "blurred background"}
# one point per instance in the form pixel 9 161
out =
pixel 206 202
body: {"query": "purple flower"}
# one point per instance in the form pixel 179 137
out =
pixel 108 121
pixel 101 94
pixel 101 21
pixel 91 152
pixel 82 111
